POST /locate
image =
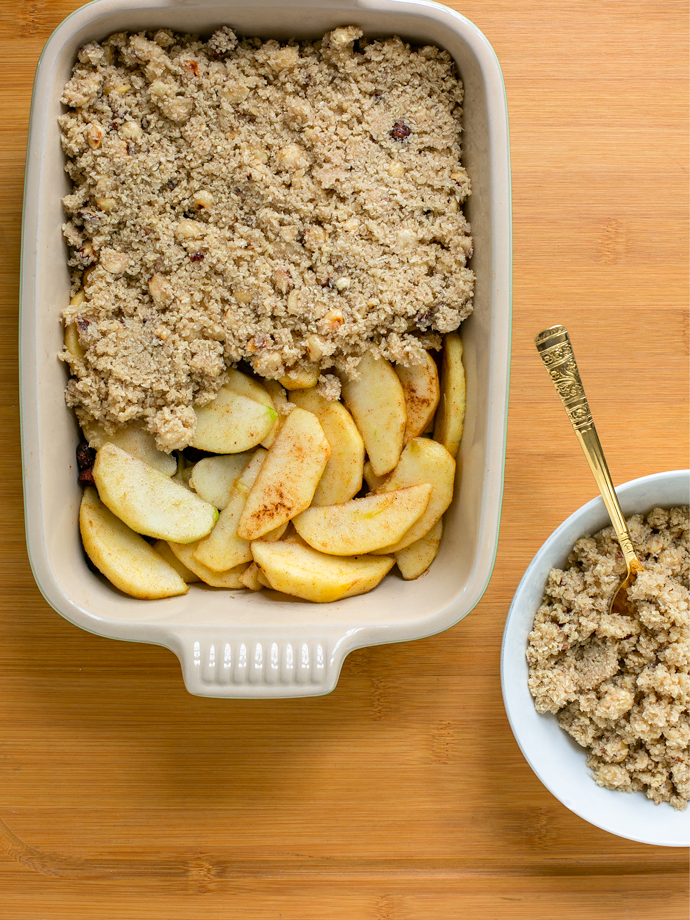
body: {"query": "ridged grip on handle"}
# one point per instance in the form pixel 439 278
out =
pixel 258 663
pixel 557 354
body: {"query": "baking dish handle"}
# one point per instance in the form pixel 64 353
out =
pixel 260 664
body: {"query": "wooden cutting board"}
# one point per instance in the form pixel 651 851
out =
pixel 402 795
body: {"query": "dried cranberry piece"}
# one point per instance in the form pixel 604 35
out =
pixel 86 456
pixel 86 478
pixel 400 131
pixel 196 256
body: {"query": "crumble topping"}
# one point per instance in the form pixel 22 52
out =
pixel 620 685
pixel 287 205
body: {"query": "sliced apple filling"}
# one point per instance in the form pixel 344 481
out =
pixel 275 504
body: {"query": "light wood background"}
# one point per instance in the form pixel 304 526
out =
pixel 402 795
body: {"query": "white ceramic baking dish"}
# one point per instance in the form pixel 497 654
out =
pixel 241 644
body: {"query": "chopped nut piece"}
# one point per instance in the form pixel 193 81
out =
pixel 290 156
pixel 132 131
pixel 178 109
pixel 316 347
pixel 234 92
pixel 114 262
pixel 202 200
pixel 284 58
pixel 332 321
pixel 189 230
pixel 94 136
pixel 106 204
pixel 160 289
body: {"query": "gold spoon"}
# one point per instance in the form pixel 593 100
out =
pixel 557 354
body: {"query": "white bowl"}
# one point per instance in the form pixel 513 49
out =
pixel 240 644
pixel 555 757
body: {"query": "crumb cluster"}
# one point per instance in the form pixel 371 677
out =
pixel 620 684
pixel 288 205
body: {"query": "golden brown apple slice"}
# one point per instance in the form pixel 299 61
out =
pixel 303 572
pixel 232 423
pixel 421 389
pixel 223 549
pixel 125 558
pixel 423 460
pixel 289 475
pixel 147 500
pixel 363 524
pixel 450 418
pixel 228 579
pixel 342 477
pixel 416 558
pixel 377 403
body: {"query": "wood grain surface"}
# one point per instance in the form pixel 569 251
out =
pixel 402 795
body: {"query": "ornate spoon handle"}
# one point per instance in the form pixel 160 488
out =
pixel 557 354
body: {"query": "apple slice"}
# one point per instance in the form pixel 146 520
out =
pixel 262 580
pixel 223 549
pixel 416 558
pixel 245 386
pixel 313 576
pixel 125 558
pixel 280 404
pixel 291 536
pixel 377 403
pixel 72 343
pixel 372 480
pixel 289 475
pixel 420 386
pixel 423 460
pixel 250 577
pixel 163 549
pixel 301 378
pixel 228 579
pixel 276 533
pixel 232 423
pixel 213 477
pixel 184 471
pixel 147 500
pixel 450 418
pixel 135 440
pixel 342 477
pixel 363 524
